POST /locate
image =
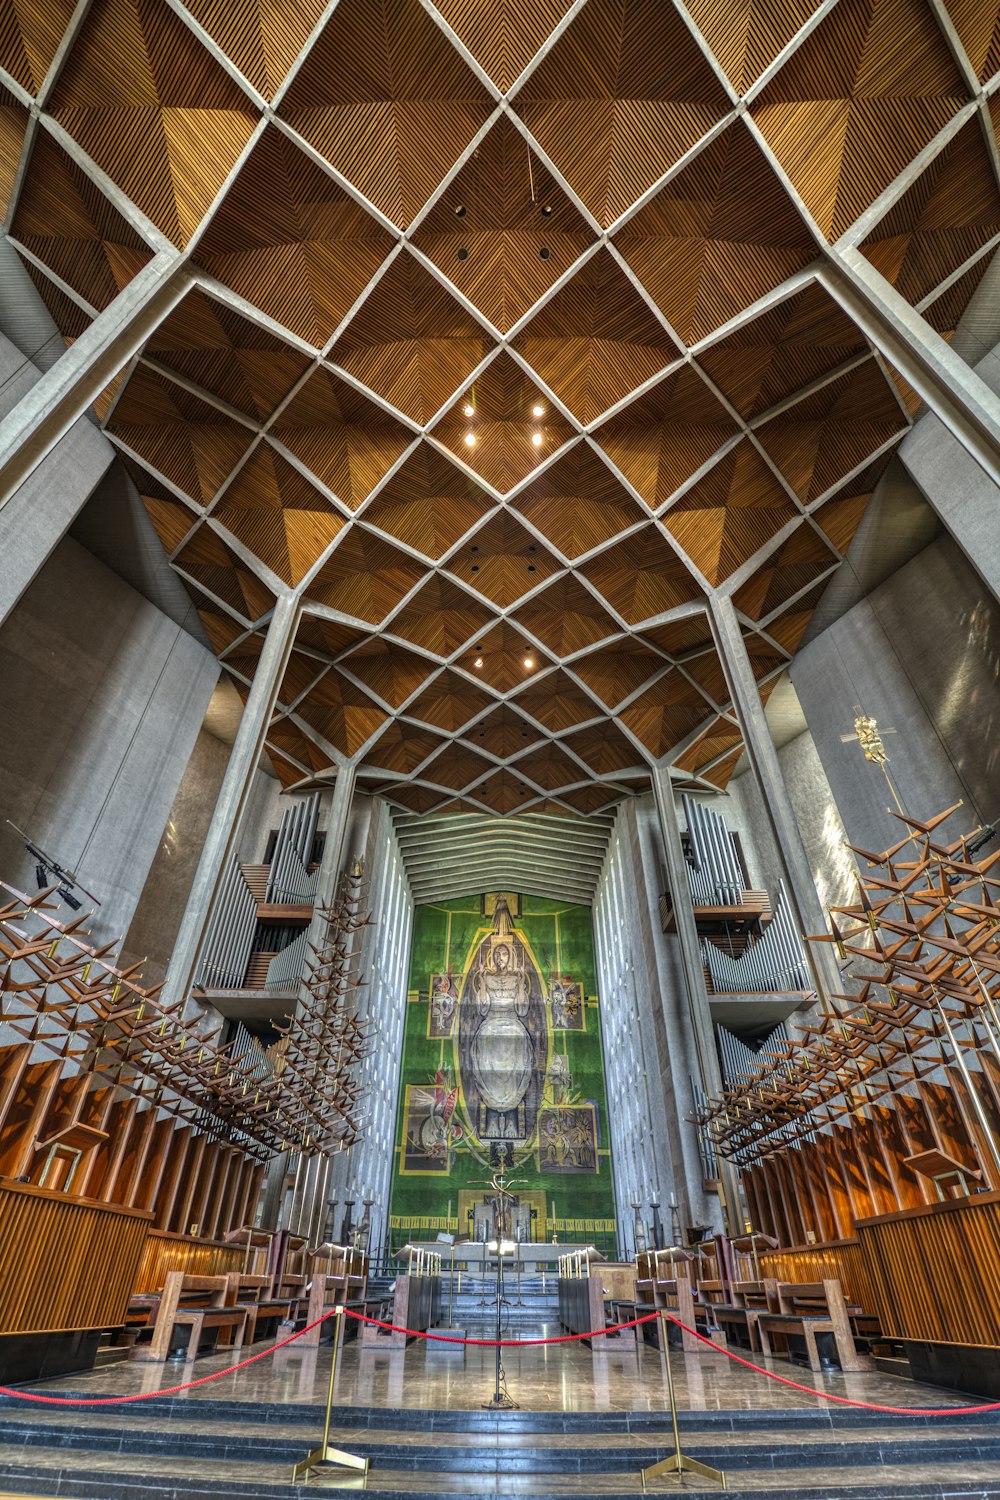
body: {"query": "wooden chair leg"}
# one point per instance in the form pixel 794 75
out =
pixel 811 1348
pixel 194 1338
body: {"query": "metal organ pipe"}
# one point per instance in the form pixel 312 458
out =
pixel 775 962
pixel 224 958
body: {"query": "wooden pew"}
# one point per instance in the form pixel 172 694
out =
pixel 741 1306
pixel 253 1292
pixel 198 1303
pixel 416 1304
pixel 806 1309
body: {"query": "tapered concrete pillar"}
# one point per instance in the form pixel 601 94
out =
pixel 233 797
pixel 693 971
pixel 763 758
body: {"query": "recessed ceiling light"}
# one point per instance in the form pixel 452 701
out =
pixel 479 661
pixel 529 662
pixel 470 439
pixel 536 438
pixel 469 409
pixel 538 410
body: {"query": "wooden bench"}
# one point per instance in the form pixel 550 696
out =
pixel 741 1305
pixel 253 1292
pixel 196 1303
pixel 806 1309
pixel 416 1304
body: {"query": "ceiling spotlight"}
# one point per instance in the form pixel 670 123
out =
pixel 536 438
pixel 460 211
pixel 479 661
pixel 470 439
pixel 538 410
pixel 546 210
pixel 41 876
pixel 529 662
pixel 544 253
pixel 469 409
pixel 463 252
pixel 70 900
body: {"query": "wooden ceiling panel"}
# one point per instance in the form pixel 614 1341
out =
pixel 171 517
pixel 365 577
pixel 296 744
pixel 866 91
pixel 718 236
pixel 833 430
pixel 262 37
pixel 978 26
pixel 663 437
pixel 605 749
pixel 789 628
pixel 503 561
pixel 503 732
pixel 619 98
pixel 503 658
pixel 29 38
pixel 590 799
pixel 504 793
pixel 401 748
pixel 557 703
pixel 69 317
pixel 679 638
pixel 719 738
pixel 387 101
pixel 616 672
pixel 290 240
pixel 665 713
pixel 440 617
pixel 747 35
pixel 387 670
pixel 207 560
pixel 154 110
pixel 347 441
pixel 66 221
pixel 498 411
pixel 641 576
pixel 840 517
pixel 796 563
pixel 340 712
pixel 950 212
pixel 449 702
pixel 505 231
pixel 801 339
pixel 503 38
pixel 220 627
pixel 273 509
pixel 566 617
pixel 227 355
pixel 411 342
pixel 945 312
pixel 550 768
pixel 302 671
pixel 327 638
pixel 189 442
pixel 596 339
pixel 428 503
pixel 728 514
pixel 455 767
pixel 414 797
pixel 577 503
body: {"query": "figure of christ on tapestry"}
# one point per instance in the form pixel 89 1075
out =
pixel 502 1039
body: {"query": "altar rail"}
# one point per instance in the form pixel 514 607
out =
pixel 838 1260
pixel 65 1263
pixel 935 1270
pixel 181 1252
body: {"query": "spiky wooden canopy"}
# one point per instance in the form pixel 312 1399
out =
pixel 611 212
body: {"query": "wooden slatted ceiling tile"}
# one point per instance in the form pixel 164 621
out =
pixel 245 655
pixel 289 239
pixel 340 712
pixel 663 437
pixel 364 577
pixel 287 772
pixel 388 101
pixel 503 732
pixel 67 315
pixel 401 748
pixel 504 793
pixel 721 774
pixel 387 670
pixel 945 312
pixel 591 799
pixel 502 561
pixel 764 655
pixel 615 672
pixel 978 26
pixel 797 562
pixel 273 509
pixel 449 702
pixel 949 213
pixel 154 110
pixel 414 797
pixel 728 514
pixel 172 518
pixel 550 768
pixel 503 401
pixel 327 638
pixel 455 767
pixel 641 576
pixel 605 750
pixel 557 703
pixel 802 338
pixel 840 517
pixel 665 713
pixel 789 628
pixel 708 674
pixel 499 659
pixel 747 35
pixel 261 37
pixel 577 503
pixel 566 617
pixel 718 236
pixel 503 38
pixel 596 339
pixel 829 433
pixel 440 617
pixel 857 101
pixel 221 629
pixel 189 442
pixel 720 736
pixel 288 736
pixel 411 342
pixel 347 441
pixel 621 96
pixel 428 503
pixel 505 231
pixel 680 638
pixel 69 224
pixel 227 355
pixel 300 674
pixel 207 560
pixel 29 38
pixel 13 125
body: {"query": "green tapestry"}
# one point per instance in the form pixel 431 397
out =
pixel 502 1068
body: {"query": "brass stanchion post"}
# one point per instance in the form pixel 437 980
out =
pixel 678 1463
pixel 324 1454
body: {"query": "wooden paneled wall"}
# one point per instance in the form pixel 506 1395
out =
pixel 65 1263
pixel 842 1260
pixel 180 1252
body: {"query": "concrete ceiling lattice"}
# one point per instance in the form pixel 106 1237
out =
pixel 507 342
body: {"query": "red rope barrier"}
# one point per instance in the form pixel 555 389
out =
pixel 449 1338
pixel 901 1411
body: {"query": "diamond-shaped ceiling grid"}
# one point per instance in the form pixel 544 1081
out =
pixel 388 671
pixel 978 26
pixel 665 713
pixel 503 561
pixel 641 576
pixel 262 37
pixel 503 732
pixel 512 424
pixel 503 658
pixel 209 562
pixel 154 110
pixel 340 712
pixel 504 232
pixel 605 750
pixel 401 747
pixel 557 703
pixel 729 513
pixel 577 503
pixel 718 236
pixel 342 437
pixel 449 702
pixel 620 98
pixel 278 514
pixel 387 101
pixel 618 671
pixel 550 768
pixel 428 503
pixel 440 617
pixel 859 98
pixel 455 767
pixel 797 562
pixel 364 577
pixel 29 38
pixel 747 35
pixel 567 617
pixel 172 518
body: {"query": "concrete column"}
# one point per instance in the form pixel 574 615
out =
pixel 694 974
pixel 233 796
pixel 763 758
